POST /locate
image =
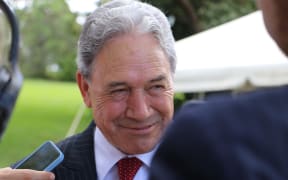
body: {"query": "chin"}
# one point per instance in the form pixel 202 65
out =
pixel 140 149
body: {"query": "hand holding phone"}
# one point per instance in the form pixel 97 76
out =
pixel 44 158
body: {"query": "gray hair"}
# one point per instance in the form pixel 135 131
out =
pixel 121 17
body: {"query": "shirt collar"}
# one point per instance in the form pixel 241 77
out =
pixel 106 155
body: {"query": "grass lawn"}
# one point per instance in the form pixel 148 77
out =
pixel 44 111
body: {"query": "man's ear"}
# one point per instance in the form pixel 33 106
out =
pixel 84 88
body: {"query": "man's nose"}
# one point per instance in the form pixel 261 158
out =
pixel 138 105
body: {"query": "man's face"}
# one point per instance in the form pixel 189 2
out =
pixel 130 92
pixel 275 13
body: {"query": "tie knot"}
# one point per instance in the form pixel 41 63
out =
pixel 128 167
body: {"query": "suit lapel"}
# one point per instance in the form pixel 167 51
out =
pixel 79 160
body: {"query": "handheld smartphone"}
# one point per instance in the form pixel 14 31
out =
pixel 45 158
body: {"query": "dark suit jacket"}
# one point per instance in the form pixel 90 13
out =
pixel 79 161
pixel 242 138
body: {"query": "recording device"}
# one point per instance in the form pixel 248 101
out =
pixel 45 158
pixel 10 75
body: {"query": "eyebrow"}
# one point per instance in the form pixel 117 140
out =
pixel 158 78
pixel 115 84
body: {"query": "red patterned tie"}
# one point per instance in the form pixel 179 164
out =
pixel 128 167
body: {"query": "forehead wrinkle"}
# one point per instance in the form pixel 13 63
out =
pixel 159 75
pixel 142 66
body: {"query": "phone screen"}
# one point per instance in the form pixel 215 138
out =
pixel 42 158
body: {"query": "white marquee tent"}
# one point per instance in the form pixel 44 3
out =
pixel 229 56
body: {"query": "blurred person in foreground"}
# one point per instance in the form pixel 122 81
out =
pixel 126 63
pixel 242 138
pixel 10 84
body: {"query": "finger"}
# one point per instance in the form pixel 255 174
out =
pixel 21 174
pixel 35 175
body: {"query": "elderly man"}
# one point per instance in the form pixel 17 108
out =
pixel 232 138
pixel 126 62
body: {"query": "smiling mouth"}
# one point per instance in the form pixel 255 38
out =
pixel 140 130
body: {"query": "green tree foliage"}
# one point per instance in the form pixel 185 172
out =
pixel 192 16
pixel 49 39
pixel 213 13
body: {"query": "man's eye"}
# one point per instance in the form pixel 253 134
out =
pixel 157 89
pixel 117 90
pixel 119 94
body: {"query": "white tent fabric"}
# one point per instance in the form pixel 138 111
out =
pixel 228 56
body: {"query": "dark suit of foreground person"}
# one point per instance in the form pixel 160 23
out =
pixel 242 138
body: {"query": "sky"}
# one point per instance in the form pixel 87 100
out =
pixel 81 6
pixel 77 6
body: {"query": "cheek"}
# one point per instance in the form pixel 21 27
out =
pixel 108 110
pixel 165 105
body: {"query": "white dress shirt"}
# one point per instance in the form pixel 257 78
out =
pixel 106 157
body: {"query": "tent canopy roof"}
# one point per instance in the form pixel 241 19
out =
pixel 228 56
